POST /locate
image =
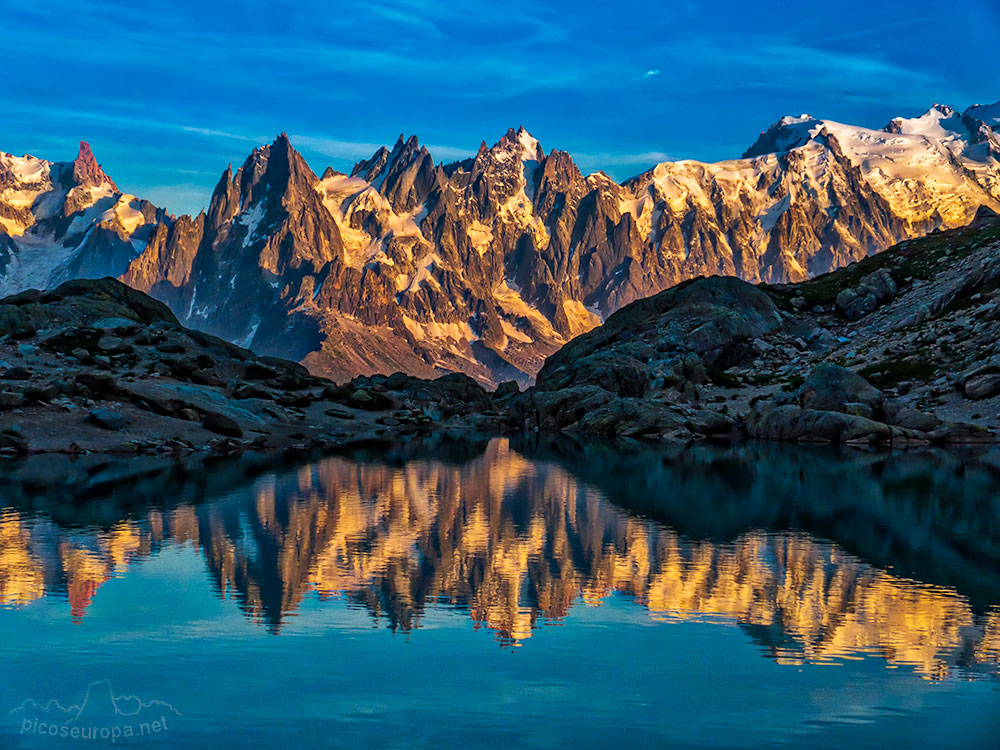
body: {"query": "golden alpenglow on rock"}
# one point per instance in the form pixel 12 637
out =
pixel 514 543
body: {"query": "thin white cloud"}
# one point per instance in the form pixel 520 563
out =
pixel 651 73
pixel 874 29
pixel 220 134
pixel 608 158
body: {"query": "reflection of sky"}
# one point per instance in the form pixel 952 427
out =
pixel 168 92
pixel 330 680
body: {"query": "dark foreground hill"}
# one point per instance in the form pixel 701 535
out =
pixel 898 348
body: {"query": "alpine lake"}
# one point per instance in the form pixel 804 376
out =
pixel 505 593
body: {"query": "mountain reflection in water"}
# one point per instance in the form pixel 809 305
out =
pixel 817 555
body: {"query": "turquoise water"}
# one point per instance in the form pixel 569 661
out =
pixel 506 595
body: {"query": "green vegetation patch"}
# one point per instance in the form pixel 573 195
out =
pixel 911 259
pixel 890 372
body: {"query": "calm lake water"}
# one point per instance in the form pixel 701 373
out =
pixel 509 595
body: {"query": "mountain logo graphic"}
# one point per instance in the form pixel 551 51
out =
pixel 101 715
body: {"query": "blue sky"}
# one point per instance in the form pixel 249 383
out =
pixel 169 92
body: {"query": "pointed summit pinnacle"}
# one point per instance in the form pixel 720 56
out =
pixel 86 170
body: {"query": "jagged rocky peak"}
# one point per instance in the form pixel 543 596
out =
pixel 86 170
pixel 499 172
pixel 515 145
pixel 270 171
pixel 383 162
pixel 276 166
pixel 486 264
pixel 369 169
pixel 406 175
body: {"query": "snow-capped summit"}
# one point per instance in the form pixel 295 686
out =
pixel 61 220
pixel 787 133
pixel 988 113
pixel 531 149
pixel 940 121
pixel 517 145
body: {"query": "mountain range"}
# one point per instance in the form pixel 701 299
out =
pixel 489 265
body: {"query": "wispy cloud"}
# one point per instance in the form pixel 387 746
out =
pixel 220 134
pixel 868 31
pixel 187 85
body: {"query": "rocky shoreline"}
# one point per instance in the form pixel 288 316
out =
pixel 94 366
pixel 897 349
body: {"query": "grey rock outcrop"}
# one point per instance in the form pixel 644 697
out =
pixel 874 289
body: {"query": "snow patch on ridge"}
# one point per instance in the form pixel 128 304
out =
pixel 251 220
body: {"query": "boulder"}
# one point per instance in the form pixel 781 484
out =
pixel 13 441
pixel 99 384
pixel 221 424
pixel 708 422
pixel 833 388
pixel 15 373
pixel 794 423
pixel 506 389
pixel 208 376
pixel 629 418
pixel 11 400
pixel 339 413
pixel 109 343
pixel 982 386
pixel 717 319
pixel 107 419
pixel 874 290
pixel 900 415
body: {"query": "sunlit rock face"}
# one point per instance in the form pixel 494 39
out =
pixel 516 542
pixel 488 265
